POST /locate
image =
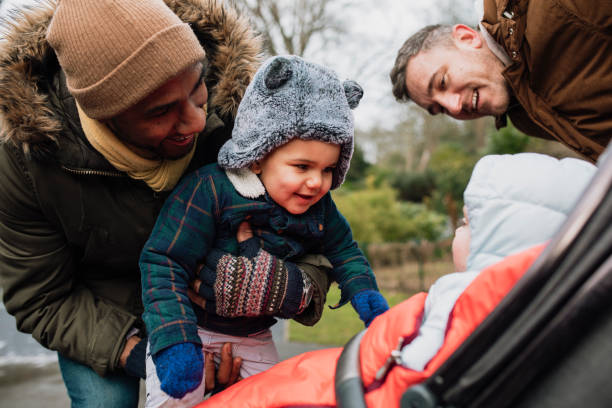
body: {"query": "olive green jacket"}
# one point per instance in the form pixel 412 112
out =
pixel 71 226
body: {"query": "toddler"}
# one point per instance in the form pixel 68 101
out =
pixel 292 142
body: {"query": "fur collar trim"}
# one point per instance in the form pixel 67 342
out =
pixel 246 183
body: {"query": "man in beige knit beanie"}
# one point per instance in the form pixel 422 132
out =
pixel 104 105
pixel 125 62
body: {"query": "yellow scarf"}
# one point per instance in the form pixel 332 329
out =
pixel 160 175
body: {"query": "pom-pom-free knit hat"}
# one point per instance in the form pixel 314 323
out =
pixel 116 52
pixel 290 98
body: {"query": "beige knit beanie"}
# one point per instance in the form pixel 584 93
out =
pixel 116 52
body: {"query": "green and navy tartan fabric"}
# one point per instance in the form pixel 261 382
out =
pixel 203 213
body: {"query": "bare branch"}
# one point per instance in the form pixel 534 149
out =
pixel 290 27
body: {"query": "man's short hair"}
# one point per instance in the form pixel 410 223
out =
pixel 426 38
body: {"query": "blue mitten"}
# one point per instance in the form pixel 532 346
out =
pixel 179 368
pixel 369 304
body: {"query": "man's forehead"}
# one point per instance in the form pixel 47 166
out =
pixel 420 71
pixel 168 91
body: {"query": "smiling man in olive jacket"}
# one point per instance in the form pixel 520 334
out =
pixel 103 107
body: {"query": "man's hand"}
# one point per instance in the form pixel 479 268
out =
pixel 227 373
pixel 133 356
pixel 193 292
pixel 127 349
pixel 244 231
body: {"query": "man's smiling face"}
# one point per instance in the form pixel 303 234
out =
pixel 165 123
pixel 463 81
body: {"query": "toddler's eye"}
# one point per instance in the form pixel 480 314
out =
pixel 301 166
pixel 329 170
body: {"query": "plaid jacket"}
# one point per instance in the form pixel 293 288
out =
pixel 204 212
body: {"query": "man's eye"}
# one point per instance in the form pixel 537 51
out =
pixel 159 112
pixel 329 169
pixel 301 166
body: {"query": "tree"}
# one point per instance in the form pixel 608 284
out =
pixel 289 27
pixel 451 167
pixel 375 216
pixel 359 168
pixel 413 186
pixel 508 140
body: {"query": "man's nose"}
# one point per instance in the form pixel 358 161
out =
pixel 451 102
pixel 192 119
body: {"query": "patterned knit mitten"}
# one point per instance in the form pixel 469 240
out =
pixel 255 283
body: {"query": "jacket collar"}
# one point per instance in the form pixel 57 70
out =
pixel 495 48
pixel 246 183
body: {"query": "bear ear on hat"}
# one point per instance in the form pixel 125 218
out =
pixel 353 92
pixel 278 72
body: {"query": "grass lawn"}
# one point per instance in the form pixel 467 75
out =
pixel 336 326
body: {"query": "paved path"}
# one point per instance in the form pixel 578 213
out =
pixel 30 376
pixel 32 386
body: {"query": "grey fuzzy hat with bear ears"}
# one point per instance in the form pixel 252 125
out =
pixel 290 98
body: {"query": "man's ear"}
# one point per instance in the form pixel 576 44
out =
pixel 466 36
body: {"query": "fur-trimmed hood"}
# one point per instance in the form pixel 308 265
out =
pixel 30 83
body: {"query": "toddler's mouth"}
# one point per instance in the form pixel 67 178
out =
pixel 305 196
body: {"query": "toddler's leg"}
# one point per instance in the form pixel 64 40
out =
pixel 156 398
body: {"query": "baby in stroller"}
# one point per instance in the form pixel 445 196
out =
pixel 512 202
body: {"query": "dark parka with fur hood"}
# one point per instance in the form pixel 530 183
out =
pixel 561 71
pixel 72 226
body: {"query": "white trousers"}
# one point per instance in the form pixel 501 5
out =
pixel 258 353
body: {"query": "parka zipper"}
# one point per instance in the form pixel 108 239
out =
pixel 91 172
pixel 395 358
pixel 103 173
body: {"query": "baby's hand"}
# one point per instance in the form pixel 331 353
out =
pixel 179 368
pixel 244 231
pixel 369 304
